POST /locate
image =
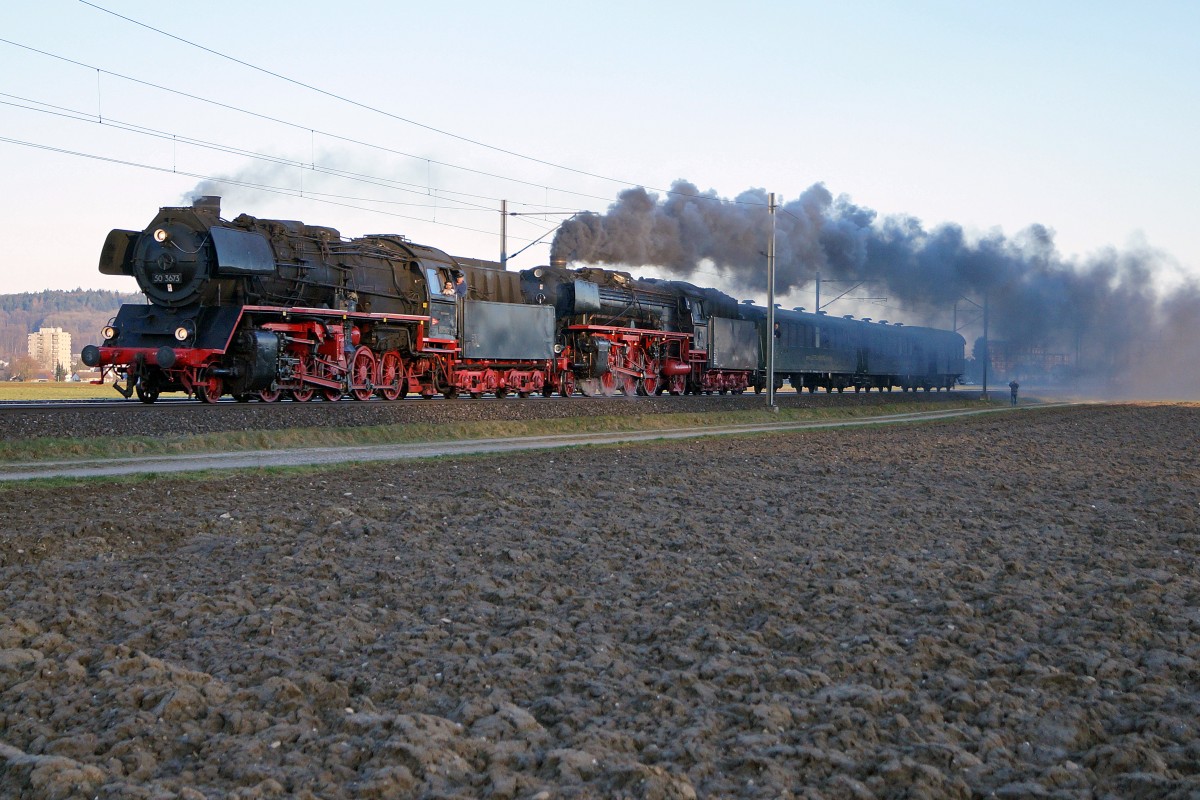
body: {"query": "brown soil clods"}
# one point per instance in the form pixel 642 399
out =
pixel 1007 604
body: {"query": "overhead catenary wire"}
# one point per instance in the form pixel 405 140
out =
pixel 389 183
pixel 358 104
pixel 384 182
pixel 312 132
pixel 301 126
pixel 397 117
pixel 233 182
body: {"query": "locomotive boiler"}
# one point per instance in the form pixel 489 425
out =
pixel 278 308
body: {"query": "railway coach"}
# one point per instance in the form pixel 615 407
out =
pixel 819 351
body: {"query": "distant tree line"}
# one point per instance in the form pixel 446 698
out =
pixel 80 312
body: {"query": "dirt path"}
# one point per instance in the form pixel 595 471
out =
pixel 1007 603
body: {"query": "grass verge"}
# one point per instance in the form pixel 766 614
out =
pixel 56 449
pixel 34 392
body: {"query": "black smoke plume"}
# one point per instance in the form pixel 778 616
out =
pixel 1103 312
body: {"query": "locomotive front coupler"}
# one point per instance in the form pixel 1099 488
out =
pixel 139 362
pixel 126 390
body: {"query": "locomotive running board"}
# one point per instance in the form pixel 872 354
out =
pixel 342 314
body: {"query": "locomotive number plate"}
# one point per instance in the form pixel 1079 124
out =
pixel 167 277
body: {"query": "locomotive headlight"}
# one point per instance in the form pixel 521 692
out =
pixel 108 332
pixel 160 235
pixel 181 333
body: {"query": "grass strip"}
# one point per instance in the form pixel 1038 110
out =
pixel 18 452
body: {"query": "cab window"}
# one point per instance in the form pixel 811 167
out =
pixel 436 279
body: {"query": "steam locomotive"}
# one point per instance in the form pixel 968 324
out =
pixel 274 309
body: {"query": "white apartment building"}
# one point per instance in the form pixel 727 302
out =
pixel 50 347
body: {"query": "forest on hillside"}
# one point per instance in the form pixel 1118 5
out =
pixel 80 312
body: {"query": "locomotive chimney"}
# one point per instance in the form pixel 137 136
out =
pixel 558 261
pixel 208 204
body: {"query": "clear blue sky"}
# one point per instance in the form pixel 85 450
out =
pixel 1079 116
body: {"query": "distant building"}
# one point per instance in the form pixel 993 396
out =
pixel 94 376
pixel 51 347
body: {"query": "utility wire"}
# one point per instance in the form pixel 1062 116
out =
pixel 245 184
pixel 388 183
pixel 397 117
pixel 349 140
pixel 71 114
pixel 790 214
pixel 299 126
pixel 356 103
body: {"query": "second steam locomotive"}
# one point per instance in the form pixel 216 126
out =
pixel 274 309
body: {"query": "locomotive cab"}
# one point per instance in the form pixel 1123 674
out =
pixel 443 317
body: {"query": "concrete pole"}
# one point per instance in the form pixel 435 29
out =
pixel 817 310
pixel 503 234
pixel 771 306
pixel 987 350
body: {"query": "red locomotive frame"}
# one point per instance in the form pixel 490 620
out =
pixel 323 354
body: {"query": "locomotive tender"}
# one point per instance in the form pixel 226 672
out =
pixel 275 308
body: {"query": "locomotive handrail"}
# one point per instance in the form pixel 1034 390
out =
pixel 617 329
pixel 336 312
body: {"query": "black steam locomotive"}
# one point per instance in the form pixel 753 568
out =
pixel 270 309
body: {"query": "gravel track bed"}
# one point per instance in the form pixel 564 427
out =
pixel 1004 606
pixel 136 419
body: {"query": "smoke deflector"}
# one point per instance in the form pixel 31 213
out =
pixel 242 252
